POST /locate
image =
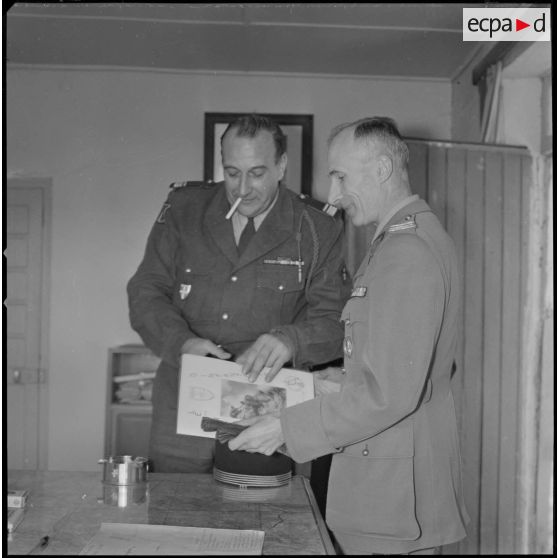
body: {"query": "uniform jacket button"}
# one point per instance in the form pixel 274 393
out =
pixel 234 278
pixel 365 451
pixel 225 316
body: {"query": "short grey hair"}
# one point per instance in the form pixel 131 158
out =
pixel 250 125
pixel 379 128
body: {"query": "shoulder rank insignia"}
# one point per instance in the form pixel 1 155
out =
pixel 199 183
pixel 176 185
pixel 329 209
pixel 320 206
pixel 359 291
pixel 408 223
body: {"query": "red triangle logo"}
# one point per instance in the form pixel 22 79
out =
pixel 519 25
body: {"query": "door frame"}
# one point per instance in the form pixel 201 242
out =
pixel 44 184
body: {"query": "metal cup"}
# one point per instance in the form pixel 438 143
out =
pixel 124 470
pixel 125 495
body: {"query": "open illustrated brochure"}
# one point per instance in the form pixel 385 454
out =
pixel 215 388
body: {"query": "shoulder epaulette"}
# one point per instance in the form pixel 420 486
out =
pixel 196 183
pixel 326 208
pixel 408 223
pixel 175 187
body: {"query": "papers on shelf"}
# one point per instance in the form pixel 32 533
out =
pixel 132 377
pixel 17 498
pixel 137 539
pixel 14 518
pixel 210 387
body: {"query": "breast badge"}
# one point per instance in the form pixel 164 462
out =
pixel 164 209
pixel 348 346
pixel 359 291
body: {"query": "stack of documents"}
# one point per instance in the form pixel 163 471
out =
pixel 137 539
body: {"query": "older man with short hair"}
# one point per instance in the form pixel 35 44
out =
pixel 395 479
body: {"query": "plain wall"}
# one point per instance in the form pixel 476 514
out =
pixel 520 114
pixel 112 142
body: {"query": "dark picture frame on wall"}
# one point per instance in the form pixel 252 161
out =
pixel 299 129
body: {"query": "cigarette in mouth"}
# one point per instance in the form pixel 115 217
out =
pixel 233 208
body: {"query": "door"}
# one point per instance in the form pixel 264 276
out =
pixel 27 219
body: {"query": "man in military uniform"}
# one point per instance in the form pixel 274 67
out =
pixel 204 288
pixel 395 479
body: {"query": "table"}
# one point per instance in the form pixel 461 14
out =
pixel 69 507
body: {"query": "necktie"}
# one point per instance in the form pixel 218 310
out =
pixel 247 233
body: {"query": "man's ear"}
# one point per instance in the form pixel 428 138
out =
pixel 282 164
pixel 384 167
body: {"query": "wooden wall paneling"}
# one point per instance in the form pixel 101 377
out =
pixel 491 354
pixel 511 328
pixel 418 168
pixel 530 354
pixel 473 312
pixel 455 219
pixel 526 180
pixel 437 180
pixel 524 510
pixel 544 535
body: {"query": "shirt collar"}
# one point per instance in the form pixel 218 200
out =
pixel 239 221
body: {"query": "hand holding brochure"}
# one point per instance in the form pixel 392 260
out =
pixel 210 387
pixel 224 431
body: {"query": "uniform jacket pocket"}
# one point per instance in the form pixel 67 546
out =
pixel 371 488
pixel 278 279
pixel 279 295
pixel 194 290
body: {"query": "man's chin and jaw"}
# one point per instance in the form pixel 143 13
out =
pixel 356 213
pixel 257 203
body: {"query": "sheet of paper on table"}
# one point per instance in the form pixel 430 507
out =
pixel 215 388
pixel 126 538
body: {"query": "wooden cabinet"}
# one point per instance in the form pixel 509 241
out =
pixel 131 369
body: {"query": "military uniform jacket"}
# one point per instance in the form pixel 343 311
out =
pixel 395 479
pixel 191 282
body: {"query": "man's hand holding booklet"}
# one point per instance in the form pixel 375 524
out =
pixel 217 389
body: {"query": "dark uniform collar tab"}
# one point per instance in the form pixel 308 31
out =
pixel 320 206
